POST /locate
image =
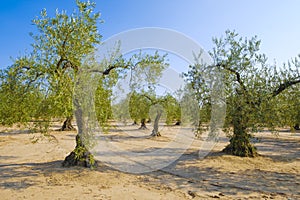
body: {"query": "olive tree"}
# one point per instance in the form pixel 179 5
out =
pixel 252 87
pixel 173 109
pixel 139 109
pixel 64 46
pixel 165 107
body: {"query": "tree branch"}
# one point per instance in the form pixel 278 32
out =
pixel 37 75
pixel 237 74
pixel 108 70
pixel 154 101
pixel 62 57
pixel 67 37
pixel 149 98
pixel 285 86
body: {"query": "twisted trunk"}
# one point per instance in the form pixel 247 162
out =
pixel 240 143
pixel 143 124
pixel 80 156
pixel 155 132
pixel 67 125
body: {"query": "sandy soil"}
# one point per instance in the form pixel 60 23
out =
pixel 31 169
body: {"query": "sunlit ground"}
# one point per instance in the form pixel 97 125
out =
pixel 31 168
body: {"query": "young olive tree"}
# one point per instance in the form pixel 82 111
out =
pixel 251 86
pixel 166 107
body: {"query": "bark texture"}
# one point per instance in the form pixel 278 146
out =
pixel 80 156
pixel 155 132
pixel 240 143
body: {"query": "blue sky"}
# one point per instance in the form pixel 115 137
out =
pixel 276 23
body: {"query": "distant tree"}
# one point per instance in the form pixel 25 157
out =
pixel 147 106
pixel 166 106
pixel 103 96
pixel 157 108
pixel 173 109
pixel 252 87
pixel 142 84
pixel 20 103
pixel 139 107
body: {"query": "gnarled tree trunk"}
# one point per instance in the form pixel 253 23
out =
pixel 67 125
pixel 80 156
pixel 143 124
pixel 240 144
pixel 155 132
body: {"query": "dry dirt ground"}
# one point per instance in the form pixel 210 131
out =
pixel 31 169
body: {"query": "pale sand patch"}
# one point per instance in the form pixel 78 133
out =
pixel 33 171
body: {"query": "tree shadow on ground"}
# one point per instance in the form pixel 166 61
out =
pixel 24 175
pixel 15 132
pixel 224 183
pixel 186 173
pixel 281 150
pixel 195 179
